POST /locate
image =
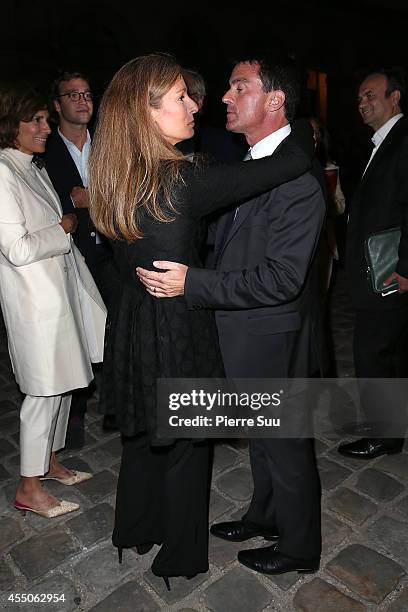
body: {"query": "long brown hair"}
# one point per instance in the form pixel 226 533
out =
pixel 131 165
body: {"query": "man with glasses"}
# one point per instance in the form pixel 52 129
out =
pixel 66 160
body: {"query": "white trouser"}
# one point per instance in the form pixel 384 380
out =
pixel 43 425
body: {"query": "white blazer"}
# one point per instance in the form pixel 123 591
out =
pixel 53 312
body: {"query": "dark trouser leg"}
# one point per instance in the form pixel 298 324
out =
pixel 185 512
pixel 106 277
pixel 79 401
pixel 380 351
pixel 262 508
pixel 139 495
pixel 75 437
pixel 294 485
pixel 162 497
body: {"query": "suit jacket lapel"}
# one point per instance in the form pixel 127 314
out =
pixel 67 161
pixel 383 150
pixel 244 210
pixel 374 162
pixel 220 232
pixel 243 213
pixel 238 217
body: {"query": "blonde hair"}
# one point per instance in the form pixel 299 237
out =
pixel 131 165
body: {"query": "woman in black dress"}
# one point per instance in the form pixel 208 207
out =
pixel 149 200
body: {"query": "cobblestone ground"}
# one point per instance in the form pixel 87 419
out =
pixel 365 528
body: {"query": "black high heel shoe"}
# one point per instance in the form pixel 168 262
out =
pixel 167 582
pixel 141 549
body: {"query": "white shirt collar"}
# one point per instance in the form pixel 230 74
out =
pixel 382 133
pixel 80 158
pixel 70 144
pixel 267 145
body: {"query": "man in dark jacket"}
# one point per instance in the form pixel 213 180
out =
pixel 66 160
pixel 263 302
pixel 380 202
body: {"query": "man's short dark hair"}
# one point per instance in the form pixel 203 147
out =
pixel 66 75
pixel 17 103
pixel 277 72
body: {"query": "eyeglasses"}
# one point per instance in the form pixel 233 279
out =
pixel 75 96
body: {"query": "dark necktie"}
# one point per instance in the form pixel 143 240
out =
pixel 232 215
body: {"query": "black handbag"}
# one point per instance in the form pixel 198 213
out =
pixel 381 252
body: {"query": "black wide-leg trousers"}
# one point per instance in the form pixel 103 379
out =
pixel 162 497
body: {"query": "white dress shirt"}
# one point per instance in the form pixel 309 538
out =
pixel 380 135
pixel 80 157
pixel 267 145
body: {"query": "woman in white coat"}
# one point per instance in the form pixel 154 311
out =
pixel 52 310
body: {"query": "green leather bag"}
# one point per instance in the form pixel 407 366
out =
pixel 381 252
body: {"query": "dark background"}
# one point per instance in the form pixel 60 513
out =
pixel 342 40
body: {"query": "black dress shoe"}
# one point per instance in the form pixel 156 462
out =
pixel 369 448
pixel 239 531
pixel 269 560
pixel 109 423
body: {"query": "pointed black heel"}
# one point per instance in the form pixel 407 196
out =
pixel 120 551
pixel 167 582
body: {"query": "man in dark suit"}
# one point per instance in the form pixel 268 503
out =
pixel 380 202
pixel 261 294
pixel 66 161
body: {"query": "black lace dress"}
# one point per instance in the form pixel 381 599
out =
pixel 147 338
pixel 163 490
